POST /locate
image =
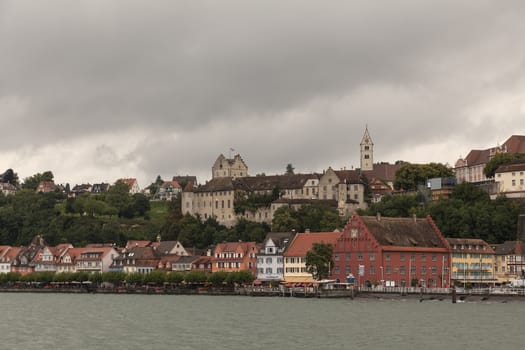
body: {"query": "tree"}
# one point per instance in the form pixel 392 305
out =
pixel 289 169
pixel 118 197
pixel 319 260
pixel 285 220
pixel 410 176
pixel 9 177
pixel 31 182
pixel 500 159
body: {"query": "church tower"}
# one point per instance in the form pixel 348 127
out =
pixel 367 152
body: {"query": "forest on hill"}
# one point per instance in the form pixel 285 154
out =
pixel 116 216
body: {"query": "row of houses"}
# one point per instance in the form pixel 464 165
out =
pixel 374 250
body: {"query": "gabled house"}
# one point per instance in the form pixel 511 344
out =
pixel 168 191
pixel 46 187
pixel 77 190
pixel 133 185
pixel 295 254
pixel 235 256
pixel 510 180
pixel 24 262
pixel 509 261
pixel 5 264
pixel 47 258
pixel 99 188
pixel 270 260
pixel 92 259
pixel 66 262
pixel 7 189
pixel 137 259
pixel 203 263
pixel 392 252
pixel 7 257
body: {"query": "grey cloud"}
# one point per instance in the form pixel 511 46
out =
pixel 225 73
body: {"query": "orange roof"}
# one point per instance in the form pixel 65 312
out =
pixel 303 242
pixel 235 247
pixel 13 253
pixel 137 243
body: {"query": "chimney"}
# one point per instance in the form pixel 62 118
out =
pixel 521 227
pixel 378 216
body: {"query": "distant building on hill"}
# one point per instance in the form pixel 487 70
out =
pixel 470 168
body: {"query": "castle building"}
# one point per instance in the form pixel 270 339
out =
pixel 224 167
pixel 470 168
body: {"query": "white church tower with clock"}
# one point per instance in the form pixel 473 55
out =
pixel 367 152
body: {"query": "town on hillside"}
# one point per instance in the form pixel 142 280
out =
pixel 372 244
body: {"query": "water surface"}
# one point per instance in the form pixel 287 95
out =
pixel 69 321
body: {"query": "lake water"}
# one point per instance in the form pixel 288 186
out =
pixel 91 321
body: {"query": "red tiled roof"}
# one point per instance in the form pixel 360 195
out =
pixel 383 171
pixel 472 242
pixel 303 242
pixel 244 247
pixel 404 232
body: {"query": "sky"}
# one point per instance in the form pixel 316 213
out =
pixel 99 90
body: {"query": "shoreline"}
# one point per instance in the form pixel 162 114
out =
pixel 372 296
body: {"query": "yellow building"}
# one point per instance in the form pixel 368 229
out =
pixel 473 262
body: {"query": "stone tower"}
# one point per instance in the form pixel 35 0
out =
pixel 224 167
pixel 367 152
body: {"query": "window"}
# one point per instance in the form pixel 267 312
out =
pixel 412 270
pixel 372 256
pixel 347 256
pixel 412 256
pixel 402 270
pixel 434 257
pixel 402 257
pixel 513 182
pixel 269 270
pixel 521 182
pixel 387 256
pixel 423 257
pixel 359 256
pixel 372 270
pixel 268 260
pixel 434 270
pixel 336 257
pixel 347 270
pixel 336 271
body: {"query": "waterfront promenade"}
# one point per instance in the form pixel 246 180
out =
pixel 479 294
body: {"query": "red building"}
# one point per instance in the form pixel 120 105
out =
pixel 235 256
pixel 392 252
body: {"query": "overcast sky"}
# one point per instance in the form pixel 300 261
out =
pixel 99 90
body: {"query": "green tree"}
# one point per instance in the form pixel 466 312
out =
pixel 217 278
pixel 31 183
pixel 119 198
pixel 135 278
pixel 156 277
pixel 175 277
pixel 285 220
pixel 410 176
pixel 195 277
pixel 319 260
pixel 500 159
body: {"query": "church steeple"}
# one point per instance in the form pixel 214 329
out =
pixel 367 152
